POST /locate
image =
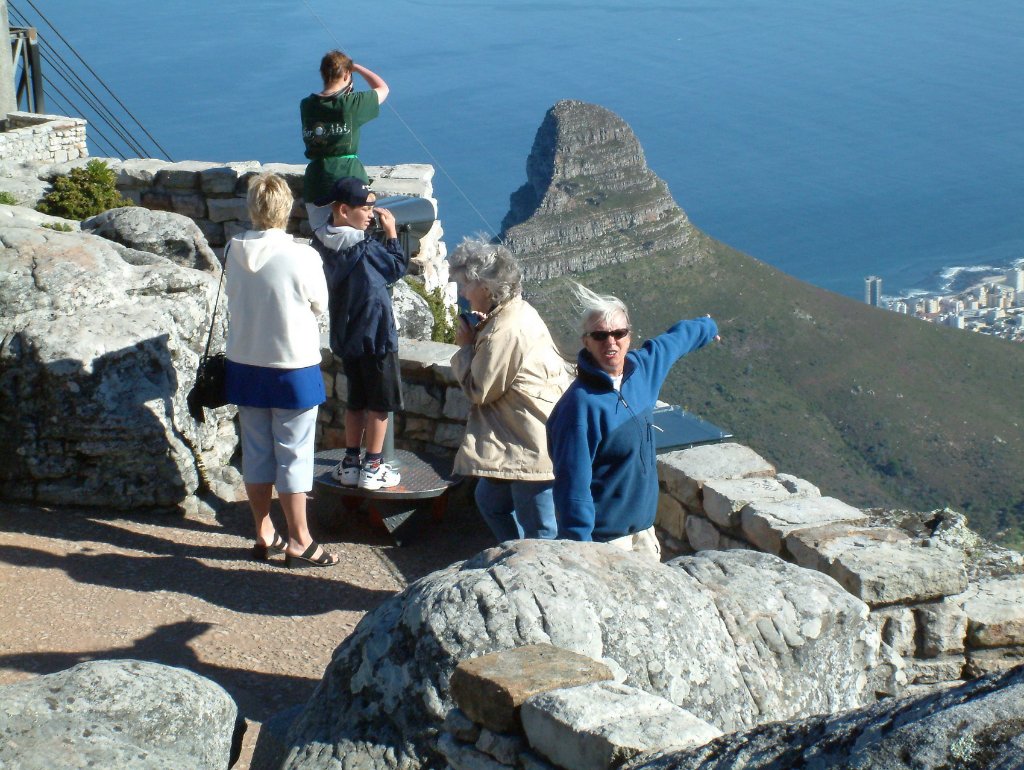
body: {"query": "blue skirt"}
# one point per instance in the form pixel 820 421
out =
pixel 267 388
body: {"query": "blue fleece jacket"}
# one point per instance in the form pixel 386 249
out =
pixel 359 271
pixel 602 441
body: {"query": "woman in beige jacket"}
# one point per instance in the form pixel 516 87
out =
pixel 512 374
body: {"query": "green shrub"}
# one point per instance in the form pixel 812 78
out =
pixel 7 199
pixel 61 227
pixel 444 314
pixel 83 193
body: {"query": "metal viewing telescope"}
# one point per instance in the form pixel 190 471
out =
pixel 413 219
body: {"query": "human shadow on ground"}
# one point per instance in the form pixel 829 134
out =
pixel 257 590
pixel 259 695
pixel 123 529
pixel 178 551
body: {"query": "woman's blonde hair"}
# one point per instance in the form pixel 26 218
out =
pixel 269 201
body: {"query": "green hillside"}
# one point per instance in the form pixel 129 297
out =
pixel 876 408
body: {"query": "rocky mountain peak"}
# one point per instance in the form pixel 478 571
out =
pixel 590 199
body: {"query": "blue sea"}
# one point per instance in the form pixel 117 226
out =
pixel 832 139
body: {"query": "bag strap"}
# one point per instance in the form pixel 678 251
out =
pixel 216 302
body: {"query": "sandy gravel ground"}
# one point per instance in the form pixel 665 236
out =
pixel 78 586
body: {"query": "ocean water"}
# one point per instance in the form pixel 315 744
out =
pixel 832 139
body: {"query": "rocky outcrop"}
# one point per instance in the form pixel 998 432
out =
pixel 737 639
pixel 588 191
pixel 98 347
pixel 412 313
pixel 158 232
pixel 977 726
pixel 118 713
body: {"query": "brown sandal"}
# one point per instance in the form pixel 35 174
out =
pixel 323 560
pixel 261 552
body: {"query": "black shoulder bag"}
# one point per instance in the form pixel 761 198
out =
pixel 210 390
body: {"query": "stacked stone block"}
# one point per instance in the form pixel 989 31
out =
pixel 538 707
pixel 44 138
pixel 934 596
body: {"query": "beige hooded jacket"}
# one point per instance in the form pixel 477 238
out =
pixel 512 375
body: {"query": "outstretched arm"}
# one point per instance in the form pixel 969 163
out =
pixel 374 81
pixel 658 354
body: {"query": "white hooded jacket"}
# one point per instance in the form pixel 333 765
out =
pixel 275 289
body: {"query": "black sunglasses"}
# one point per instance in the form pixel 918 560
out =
pixel 601 336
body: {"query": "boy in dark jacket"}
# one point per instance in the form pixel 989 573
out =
pixel 359 272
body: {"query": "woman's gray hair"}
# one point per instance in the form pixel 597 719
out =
pixel 477 260
pixel 595 308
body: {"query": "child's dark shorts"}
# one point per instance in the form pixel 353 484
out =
pixel 374 383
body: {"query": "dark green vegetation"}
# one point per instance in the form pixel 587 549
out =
pixel 875 408
pixel 83 193
pixel 7 198
pixel 444 314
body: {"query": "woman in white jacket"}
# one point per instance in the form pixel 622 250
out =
pixel 512 374
pixel 276 289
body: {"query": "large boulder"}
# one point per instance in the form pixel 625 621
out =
pixel 977 726
pixel 98 349
pixel 412 313
pixel 160 232
pixel 736 638
pixel 118 713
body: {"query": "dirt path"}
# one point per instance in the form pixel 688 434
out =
pixel 182 591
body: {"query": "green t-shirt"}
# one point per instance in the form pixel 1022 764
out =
pixel 330 130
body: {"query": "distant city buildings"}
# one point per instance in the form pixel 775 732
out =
pixel 994 306
pixel 873 290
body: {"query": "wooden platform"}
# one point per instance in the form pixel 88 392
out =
pixel 422 494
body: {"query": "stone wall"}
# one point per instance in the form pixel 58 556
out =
pixel 213 195
pixel 540 707
pixel 947 604
pixel 44 138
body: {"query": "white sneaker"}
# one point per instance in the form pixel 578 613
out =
pixel 382 476
pixel 347 475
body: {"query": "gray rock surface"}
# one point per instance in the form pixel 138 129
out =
pixel 159 232
pixel 684 471
pixel 766 524
pixel 97 354
pixel 978 726
pixel 737 638
pixel 117 714
pixel 587 188
pixel 596 726
pixel 412 313
pixel 948 529
pixel 725 498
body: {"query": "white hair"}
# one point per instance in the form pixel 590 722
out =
pixel 595 308
pixel 477 260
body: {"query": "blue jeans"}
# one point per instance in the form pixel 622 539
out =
pixel 517 509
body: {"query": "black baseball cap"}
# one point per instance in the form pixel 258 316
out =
pixel 350 190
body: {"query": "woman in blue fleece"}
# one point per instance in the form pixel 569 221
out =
pixel 601 432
